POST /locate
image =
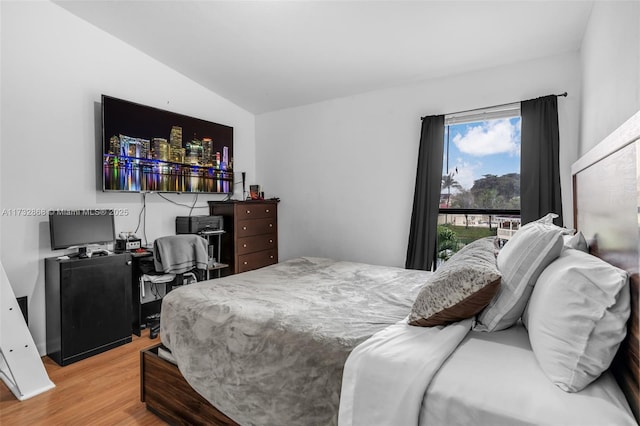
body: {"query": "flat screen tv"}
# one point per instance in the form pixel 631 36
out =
pixel 81 228
pixel 147 149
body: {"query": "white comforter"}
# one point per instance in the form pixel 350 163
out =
pixel 372 396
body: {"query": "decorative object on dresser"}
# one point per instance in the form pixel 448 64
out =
pixel 251 238
pixel 254 192
pixel 88 304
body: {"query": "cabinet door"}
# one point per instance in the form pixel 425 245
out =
pixel 95 304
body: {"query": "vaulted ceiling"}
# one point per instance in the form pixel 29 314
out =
pixel 269 55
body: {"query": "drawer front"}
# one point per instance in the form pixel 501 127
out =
pixel 247 228
pixel 256 260
pixel 257 243
pixel 255 211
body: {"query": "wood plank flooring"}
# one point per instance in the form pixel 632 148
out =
pixel 101 390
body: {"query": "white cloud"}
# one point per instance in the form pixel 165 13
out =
pixel 491 137
pixel 465 174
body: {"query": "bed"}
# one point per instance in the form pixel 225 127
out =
pixel 325 357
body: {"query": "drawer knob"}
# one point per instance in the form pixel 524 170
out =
pixel 244 228
pixel 267 210
pixel 271 225
pixel 244 245
pixel 248 211
pixel 246 263
pixel 271 257
pixel 270 241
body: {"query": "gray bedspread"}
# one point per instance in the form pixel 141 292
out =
pixel 267 347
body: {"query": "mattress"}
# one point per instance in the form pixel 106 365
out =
pixel 267 347
pixel 494 379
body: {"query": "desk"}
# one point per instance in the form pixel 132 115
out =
pixel 141 309
pixel 135 291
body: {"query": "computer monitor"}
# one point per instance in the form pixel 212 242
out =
pixel 81 228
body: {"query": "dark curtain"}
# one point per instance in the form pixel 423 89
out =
pixel 539 159
pixel 421 249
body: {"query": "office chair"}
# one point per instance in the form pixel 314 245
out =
pixel 177 259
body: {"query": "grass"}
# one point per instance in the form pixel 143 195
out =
pixel 472 233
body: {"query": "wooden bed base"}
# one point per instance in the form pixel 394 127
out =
pixel 167 394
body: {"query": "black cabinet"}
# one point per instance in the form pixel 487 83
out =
pixel 88 304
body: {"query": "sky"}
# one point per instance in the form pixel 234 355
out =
pixel 485 147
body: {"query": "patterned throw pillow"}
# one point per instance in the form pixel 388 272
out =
pixel 460 288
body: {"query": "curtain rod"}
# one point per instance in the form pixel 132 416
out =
pixel 494 106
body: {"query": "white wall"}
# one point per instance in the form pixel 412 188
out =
pixel 54 69
pixel 345 169
pixel 610 58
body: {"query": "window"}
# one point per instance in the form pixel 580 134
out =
pixel 480 192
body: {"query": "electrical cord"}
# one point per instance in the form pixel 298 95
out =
pixel 195 200
pixel 143 211
pixel 142 216
pixel 192 206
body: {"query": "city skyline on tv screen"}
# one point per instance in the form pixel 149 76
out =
pixel 149 149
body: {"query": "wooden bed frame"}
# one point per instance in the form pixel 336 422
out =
pixel 606 191
pixel 606 209
pixel 168 395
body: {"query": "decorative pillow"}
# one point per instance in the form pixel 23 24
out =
pixel 520 262
pixel 577 318
pixel 576 241
pixel 547 219
pixel 460 288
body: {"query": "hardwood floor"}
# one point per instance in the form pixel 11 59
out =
pixel 101 390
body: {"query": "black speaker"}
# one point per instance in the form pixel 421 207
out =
pixel 244 190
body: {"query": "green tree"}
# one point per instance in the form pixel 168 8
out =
pixel 449 182
pixel 497 192
pixel 486 198
pixel 463 200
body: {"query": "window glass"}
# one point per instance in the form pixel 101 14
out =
pixel 480 191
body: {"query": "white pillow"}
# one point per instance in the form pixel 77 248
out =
pixel 576 241
pixel 520 262
pixel 577 318
pixel 547 219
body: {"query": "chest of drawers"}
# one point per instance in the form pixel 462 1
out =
pixel 251 237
